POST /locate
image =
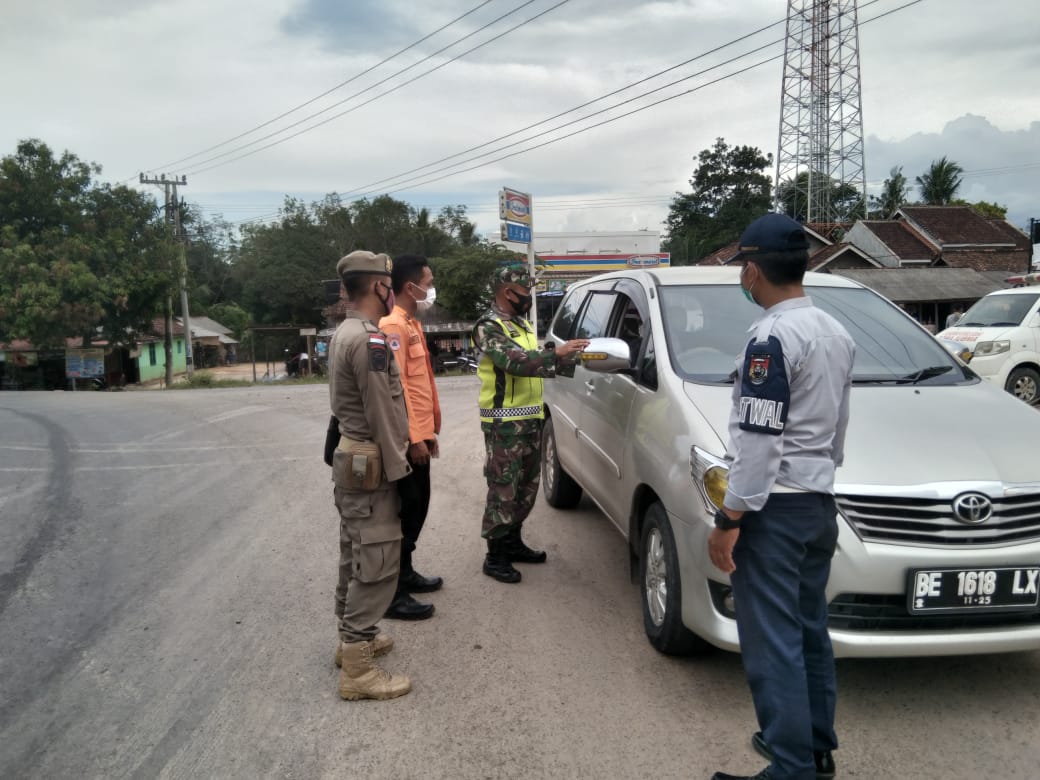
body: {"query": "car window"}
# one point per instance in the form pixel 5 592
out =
pixel 596 318
pixel 563 324
pixel 706 327
pixel 998 310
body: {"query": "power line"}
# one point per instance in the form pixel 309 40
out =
pixel 381 94
pixel 331 89
pixel 415 181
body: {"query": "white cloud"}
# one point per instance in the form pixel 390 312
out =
pixel 137 85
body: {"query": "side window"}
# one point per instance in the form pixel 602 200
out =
pixel 648 365
pixel 596 319
pixel 563 324
pixel 629 327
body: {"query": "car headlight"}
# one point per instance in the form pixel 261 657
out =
pixel 711 474
pixel 984 348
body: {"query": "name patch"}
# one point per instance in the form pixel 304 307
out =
pixel 377 356
pixel 764 390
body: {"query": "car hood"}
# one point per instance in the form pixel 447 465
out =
pixel 969 337
pixel 915 434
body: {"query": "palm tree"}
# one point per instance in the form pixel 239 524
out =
pixel 893 195
pixel 940 183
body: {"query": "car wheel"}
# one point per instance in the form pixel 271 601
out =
pixel 661 587
pixel 560 490
pixel 1024 384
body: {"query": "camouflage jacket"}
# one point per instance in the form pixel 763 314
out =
pixel 507 355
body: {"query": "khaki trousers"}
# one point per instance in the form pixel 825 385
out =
pixel 369 559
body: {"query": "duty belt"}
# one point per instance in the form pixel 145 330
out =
pixel 511 411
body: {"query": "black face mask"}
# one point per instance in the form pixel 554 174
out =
pixel 522 304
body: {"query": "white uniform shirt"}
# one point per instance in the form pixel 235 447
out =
pixel 790 405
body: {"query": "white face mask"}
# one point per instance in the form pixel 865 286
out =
pixel 422 304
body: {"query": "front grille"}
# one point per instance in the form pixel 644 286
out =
pixel 869 612
pixel 931 520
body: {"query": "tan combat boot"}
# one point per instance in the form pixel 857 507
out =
pixel 381 645
pixel 360 678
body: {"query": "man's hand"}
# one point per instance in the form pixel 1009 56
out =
pixel 435 448
pixel 720 549
pixel 568 348
pixel 419 453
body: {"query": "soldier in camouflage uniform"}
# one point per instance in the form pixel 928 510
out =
pixel 511 372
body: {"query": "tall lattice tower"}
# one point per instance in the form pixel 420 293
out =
pixel 820 152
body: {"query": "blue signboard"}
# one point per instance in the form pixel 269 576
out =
pixel 521 234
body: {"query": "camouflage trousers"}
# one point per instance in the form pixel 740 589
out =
pixel 512 467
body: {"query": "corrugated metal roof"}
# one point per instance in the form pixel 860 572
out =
pixel 924 284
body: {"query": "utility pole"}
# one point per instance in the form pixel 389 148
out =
pixel 173 220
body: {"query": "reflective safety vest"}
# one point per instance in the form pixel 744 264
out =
pixel 505 396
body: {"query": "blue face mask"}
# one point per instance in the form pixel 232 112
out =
pixel 747 290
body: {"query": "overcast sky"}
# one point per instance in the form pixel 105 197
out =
pixel 140 85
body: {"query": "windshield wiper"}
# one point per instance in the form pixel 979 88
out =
pixel 925 373
pixel 912 379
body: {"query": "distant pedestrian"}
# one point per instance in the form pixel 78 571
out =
pixel 954 316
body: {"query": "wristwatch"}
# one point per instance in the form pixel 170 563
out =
pixel 723 521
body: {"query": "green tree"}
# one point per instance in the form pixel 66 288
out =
pixel 231 316
pixel 894 193
pixel 846 201
pixel 984 208
pixel 939 184
pixel 280 266
pixel 463 279
pixel 729 190
pixel 77 258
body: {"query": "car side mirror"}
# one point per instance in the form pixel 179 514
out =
pixel 606 355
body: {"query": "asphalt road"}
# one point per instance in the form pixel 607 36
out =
pixel 167 565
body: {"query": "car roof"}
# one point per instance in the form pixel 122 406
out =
pixel 701 274
pixel 1028 290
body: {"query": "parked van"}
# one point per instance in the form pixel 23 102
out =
pixel 1003 332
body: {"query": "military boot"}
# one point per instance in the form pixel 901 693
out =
pixel 497 563
pixel 381 645
pixel 360 678
pixel 518 552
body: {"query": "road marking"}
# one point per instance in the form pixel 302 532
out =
pixel 207 421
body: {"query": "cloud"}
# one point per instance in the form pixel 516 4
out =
pixel 993 160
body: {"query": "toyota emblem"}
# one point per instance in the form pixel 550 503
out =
pixel 972 508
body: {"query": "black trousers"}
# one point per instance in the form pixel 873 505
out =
pixel 415 503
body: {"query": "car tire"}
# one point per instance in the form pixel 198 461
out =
pixel 661 587
pixel 560 490
pixel 1024 384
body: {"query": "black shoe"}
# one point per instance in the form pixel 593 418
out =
pixel 824 760
pixel 497 564
pixel 414 582
pixel 518 552
pixel 404 607
pixel 500 568
pixel 763 775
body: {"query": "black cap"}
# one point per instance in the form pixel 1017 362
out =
pixel 771 234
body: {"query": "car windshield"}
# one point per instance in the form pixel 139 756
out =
pixel 995 311
pixel 706 327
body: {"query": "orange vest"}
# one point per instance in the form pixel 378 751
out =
pixel 404 336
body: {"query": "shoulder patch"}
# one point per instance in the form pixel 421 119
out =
pixel 393 341
pixel 377 355
pixel 765 393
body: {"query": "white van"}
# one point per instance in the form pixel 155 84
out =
pixel 1003 332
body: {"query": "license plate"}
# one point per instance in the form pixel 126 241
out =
pixel 999 588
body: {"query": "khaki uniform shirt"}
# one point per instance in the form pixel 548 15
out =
pixel 365 392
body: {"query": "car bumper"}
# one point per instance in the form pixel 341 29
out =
pixel 879 570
